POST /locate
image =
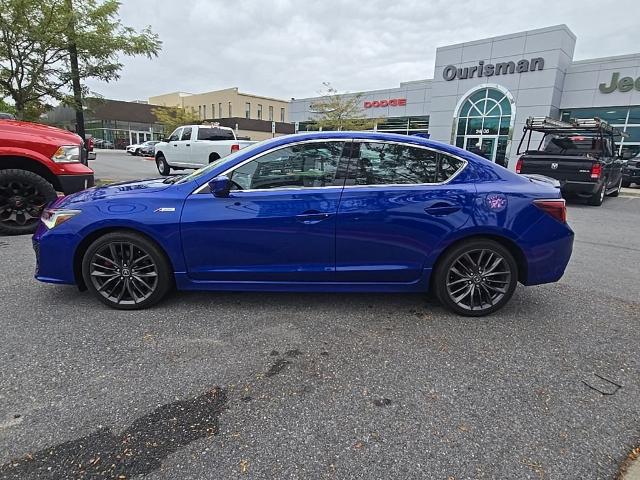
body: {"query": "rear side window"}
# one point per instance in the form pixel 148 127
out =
pixel 215 134
pixel 394 164
pixel 186 133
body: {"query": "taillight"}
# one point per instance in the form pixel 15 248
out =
pixel 557 208
pixel 596 170
pixel 519 164
pixel 235 147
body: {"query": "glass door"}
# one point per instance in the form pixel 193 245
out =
pixel 485 146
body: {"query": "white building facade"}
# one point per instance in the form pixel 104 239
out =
pixel 483 92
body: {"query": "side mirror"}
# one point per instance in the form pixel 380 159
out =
pixel 220 186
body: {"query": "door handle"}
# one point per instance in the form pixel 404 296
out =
pixel 175 144
pixel 312 216
pixel 188 145
pixel 442 208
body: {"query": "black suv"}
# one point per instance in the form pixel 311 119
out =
pixel 631 171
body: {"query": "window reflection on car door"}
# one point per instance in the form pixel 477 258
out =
pixel 394 210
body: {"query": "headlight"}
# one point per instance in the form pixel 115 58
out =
pixel 67 154
pixel 52 217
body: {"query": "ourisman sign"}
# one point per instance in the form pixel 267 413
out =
pixel 451 72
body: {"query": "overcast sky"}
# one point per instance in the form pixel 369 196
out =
pixel 286 48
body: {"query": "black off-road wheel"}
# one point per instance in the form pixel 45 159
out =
pixel 597 198
pixel 475 278
pixel 23 196
pixel 163 167
pixel 126 271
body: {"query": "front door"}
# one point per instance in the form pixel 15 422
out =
pixel 395 209
pixel 485 146
pixel 277 225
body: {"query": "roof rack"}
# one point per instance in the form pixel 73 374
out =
pixel 575 125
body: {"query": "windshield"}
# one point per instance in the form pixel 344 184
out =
pixel 229 158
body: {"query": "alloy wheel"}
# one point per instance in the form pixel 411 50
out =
pixel 21 203
pixel 123 273
pixel 478 279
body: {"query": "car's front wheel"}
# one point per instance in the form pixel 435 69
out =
pixel 23 195
pixel 126 271
pixel 163 167
pixel 476 278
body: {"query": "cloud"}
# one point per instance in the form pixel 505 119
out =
pixel 284 48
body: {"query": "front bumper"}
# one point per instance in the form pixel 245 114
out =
pixel 55 255
pixel 75 183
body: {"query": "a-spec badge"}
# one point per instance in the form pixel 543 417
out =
pixel 496 202
pixel 165 209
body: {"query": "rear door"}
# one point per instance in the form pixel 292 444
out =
pixel 396 206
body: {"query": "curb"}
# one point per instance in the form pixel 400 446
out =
pixel 630 192
pixel 630 469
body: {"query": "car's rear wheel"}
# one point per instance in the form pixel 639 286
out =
pixel 126 271
pixel 597 198
pixel 476 278
pixel 163 166
pixel 23 195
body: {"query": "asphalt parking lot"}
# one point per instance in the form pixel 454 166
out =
pixel 246 385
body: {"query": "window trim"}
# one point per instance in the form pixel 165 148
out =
pixel 352 140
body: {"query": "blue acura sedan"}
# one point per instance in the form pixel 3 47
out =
pixel 330 211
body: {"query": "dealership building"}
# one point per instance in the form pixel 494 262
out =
pixel 483 92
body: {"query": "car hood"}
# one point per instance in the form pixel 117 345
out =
pixel 112 190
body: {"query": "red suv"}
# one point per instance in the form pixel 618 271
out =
pixel 36 161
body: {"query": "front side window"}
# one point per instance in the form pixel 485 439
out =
pixel 296 166
pixel 375 163
pixel 175 136
pixel 186 133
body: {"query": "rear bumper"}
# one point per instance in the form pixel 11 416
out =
pixel 579 188
pixel 75 183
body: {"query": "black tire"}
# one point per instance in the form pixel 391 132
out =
pixel 137 152
pixel 118 269
pixel 626 184
pixel 616 192
pixel 23 196
pixel 494 288
pixel 597 198
pixel 163 167
pixel 213 157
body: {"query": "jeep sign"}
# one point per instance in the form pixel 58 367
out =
pixel 451 72
pixel 624 84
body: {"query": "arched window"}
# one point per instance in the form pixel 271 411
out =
pixel 483 123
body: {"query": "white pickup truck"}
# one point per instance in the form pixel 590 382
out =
pixel 194 146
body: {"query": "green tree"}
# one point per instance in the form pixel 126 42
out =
pixel 173 117
pixel 48 48
pixel 337 111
